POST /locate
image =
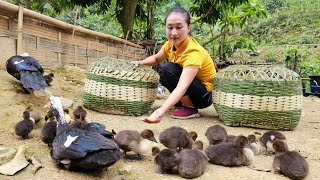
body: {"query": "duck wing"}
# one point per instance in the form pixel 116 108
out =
pixel 99 128
pixel 27 70
pixel 76 143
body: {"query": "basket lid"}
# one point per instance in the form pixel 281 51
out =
pixel 258 72
pixel 124 69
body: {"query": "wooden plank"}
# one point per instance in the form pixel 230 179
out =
pixel 7 49
pixel 3 23
pixel 20 49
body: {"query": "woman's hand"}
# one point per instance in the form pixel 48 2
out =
pixel 155 117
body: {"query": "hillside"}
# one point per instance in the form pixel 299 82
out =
pixel 288 22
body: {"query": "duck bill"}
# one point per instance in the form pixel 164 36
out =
pixel 154 140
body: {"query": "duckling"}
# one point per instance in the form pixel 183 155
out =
pixel 76 112
pixel 216 134
pixel 229 154
pixel 48 78
pixel 289 163
pixel 166 159
pixel 255 147
pixel 231 138
pixel 132 140
pixel 24 127
pixel 192 163
pixel 34 115
pixel 197 145
pixel 81 122
pixel 67 116
pixel 177 137
pixel 268 137
pixel 49 130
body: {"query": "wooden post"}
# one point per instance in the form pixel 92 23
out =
pixel 59 53
pixel 20 34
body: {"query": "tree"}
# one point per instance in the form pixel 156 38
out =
pixel 229 15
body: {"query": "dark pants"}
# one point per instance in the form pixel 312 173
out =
pixel 169 77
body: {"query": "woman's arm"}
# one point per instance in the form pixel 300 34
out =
pixel 187 76
pixel 153 60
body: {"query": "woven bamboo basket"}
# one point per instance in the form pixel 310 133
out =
pixel 117 86
pixel 262 96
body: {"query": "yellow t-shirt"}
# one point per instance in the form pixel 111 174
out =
pixel 191 53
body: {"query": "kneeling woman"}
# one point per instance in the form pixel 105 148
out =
pixel 189 73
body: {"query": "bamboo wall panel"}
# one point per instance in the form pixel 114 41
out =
pixel 3 23
pixel 47 43
pixel 7 48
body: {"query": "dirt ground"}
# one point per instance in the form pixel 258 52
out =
pixel 69 83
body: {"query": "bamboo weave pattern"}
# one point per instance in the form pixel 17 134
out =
pixel 117 86
pixel 258 96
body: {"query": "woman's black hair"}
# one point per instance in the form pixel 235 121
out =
pixel 182 11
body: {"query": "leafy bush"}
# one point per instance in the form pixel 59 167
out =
pixel 271 56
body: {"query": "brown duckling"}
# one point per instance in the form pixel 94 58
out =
pixel 289 163
pixel 48 78
pixel 166 159
pixel 81 122
pixel 231 138
pixel 197 145
pixel 67 116
pixel 132 140
pixel 268 137
pixel 255 147
pixel 192 163
pixel 34 115
pixel 216 134
pixel 177 137
pixel 229 154
pixel 76 112
pixel 24 127
pixel 48 132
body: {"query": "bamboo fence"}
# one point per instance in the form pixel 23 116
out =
pixel 56 43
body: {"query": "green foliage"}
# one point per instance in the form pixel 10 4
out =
pixel 273 5
pixel 235 43
pixel 310 68
pixel 271 56
pixel 288 22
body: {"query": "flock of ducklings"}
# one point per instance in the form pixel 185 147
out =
pixel 184 154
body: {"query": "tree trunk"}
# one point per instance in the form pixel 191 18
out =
pixel 126 16
pixel 150 21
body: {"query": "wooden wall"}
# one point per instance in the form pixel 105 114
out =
pixel 53 46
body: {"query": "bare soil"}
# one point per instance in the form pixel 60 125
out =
pixel 69 82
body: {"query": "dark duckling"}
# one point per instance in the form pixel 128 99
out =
pixel 216 134
pixel 229 154
pixel 76 112
pixel 177 137
pixel 34 115
pixel 132 140
pixel 80 123
pixel 166 159
pixel 49 130
pixel 289 163
pixel 192 163
pixel 48 78
pixel 24 127
pixel 268 137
